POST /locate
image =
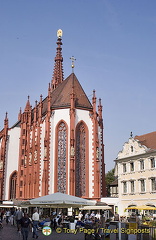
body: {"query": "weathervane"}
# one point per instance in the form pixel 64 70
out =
pixel 72 64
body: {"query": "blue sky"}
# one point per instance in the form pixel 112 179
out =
pixel 114 43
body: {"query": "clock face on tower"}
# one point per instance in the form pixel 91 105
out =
pixel 59 33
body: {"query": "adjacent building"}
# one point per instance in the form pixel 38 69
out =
pixel 135 167
pixel 55 146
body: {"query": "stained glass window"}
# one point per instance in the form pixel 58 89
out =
pixel 62 144
pixel 80 170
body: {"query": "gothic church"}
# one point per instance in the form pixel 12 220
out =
pixel 56 146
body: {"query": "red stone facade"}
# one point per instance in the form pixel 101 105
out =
pixel 67 168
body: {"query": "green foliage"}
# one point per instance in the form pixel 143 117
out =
pixel 110 177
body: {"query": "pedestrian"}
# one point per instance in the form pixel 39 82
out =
pixel 19 215
pixel 35 219
pixel 12 216
pixel 92 214
pixel 116 216
pixel 103 219
pixel 80 216
pixel 98 216
pixel 25 225
pixel 2 215
pixel 87 216
pixel 7 216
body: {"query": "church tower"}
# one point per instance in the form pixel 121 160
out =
pixel 56 146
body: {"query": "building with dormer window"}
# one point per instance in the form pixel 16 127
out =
pixel 135 167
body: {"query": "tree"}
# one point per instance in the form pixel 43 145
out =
pixel 109 179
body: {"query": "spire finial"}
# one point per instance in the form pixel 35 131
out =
pixel 99 101
pixel 73 63
pixel 59 33
pixel 58 67
pixel 6 116
pixel 131 135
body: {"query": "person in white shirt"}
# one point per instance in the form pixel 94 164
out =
pixel 92 214
pixel 7 216
pixel 98 216
pixel 35 219
pixel 80 216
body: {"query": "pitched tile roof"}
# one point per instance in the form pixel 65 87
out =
pixel 61 95
pixel 149 140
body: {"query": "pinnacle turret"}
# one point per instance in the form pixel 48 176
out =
pixel 27 107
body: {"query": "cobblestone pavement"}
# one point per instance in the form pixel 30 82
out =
pixel 9 232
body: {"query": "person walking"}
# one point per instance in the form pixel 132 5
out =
pixel 19 215
pixel 35 219
pixel 25 224
pixel 12 216
pixel 7 216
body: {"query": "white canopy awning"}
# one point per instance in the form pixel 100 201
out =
pixel 60 200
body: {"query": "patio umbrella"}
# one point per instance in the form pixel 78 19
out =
pixel 95 208
pixel 143 207
pixel 58 200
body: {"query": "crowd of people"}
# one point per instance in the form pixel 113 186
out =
pixel 25 222
pixel 22 220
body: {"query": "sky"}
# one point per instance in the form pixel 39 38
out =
pixel 114 43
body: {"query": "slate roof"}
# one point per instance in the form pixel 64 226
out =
pixel 149 140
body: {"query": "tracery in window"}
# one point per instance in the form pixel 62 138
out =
pixel 80 167
pixel 62 145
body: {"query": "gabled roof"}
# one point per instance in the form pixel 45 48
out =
pixel 61 96
pixel 114 183
pixel 148 140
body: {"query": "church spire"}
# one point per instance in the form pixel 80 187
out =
pixel 58 67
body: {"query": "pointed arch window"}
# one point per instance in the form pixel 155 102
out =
pixel 61 157
pixel 13 180
pixel 81 160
